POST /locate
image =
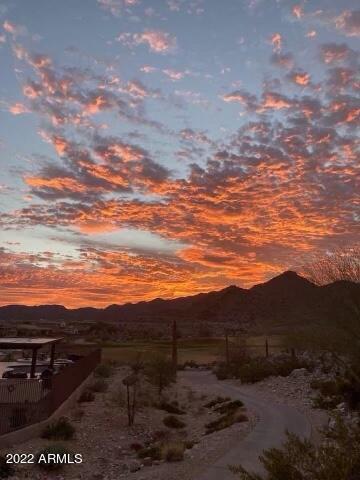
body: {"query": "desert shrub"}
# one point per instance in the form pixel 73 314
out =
pixel 160 372
pixel 86 396
pixel 118 396
pixel 189 444
pixel 160 435
pixel 173 451
pixel 241 418
pixel 337 458
pixel 222 371
pixel 326 387
pixel 255 371
pixel 99 386
pixel 51 464
pixel 229 407
pixel 104 370
pixel 153 452
pixel 326 403
pixel 77 414
pixel 216 401
pixel 136 447
pixel 224 421
pixel 344 389
pixel 284 366
pixel 350 390
pixel 6 469
pixel 173 422
pixel 171 408
pixel 61 429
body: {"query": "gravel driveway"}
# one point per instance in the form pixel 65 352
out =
pixel 269 431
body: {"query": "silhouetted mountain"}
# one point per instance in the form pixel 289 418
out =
pixel 285 300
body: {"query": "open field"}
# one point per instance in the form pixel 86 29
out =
pixel 203 350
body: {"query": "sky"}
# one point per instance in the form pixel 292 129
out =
pixel 162 148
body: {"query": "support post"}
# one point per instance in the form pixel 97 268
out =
pixel 33 363
pixel 266 348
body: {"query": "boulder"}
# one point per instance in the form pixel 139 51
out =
pixel 134 466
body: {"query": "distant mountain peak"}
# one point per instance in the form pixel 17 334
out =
pixel 286 279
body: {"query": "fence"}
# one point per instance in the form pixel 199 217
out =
pixel 25 402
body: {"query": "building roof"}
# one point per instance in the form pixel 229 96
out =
pixel 22 342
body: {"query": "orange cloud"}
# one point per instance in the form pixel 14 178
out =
pixel 301 78
pixel 276 41
pixel 55 183
pixel 18 109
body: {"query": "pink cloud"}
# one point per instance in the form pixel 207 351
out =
pixel 349 23
pixel 157 41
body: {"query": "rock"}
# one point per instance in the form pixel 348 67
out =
pixel 134 466
pixel 147 461
pixel 298 372
pixel 342 407
pixel 332 423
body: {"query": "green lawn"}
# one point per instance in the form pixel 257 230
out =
pixel 202 350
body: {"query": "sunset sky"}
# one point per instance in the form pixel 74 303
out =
pixel 160 148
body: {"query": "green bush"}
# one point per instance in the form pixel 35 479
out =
pixel 337 458
pixel 99 386
pixel 51 449
pixel 104 370
pixel 86 396
pixel 6 469
pixel 61 429
pixel 173 422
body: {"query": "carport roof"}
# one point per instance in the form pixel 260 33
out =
pixel 7 343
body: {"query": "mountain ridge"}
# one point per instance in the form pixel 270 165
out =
pixel 285 299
